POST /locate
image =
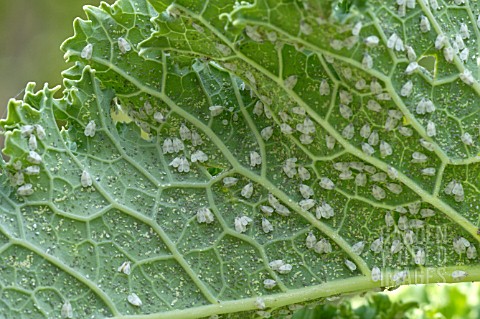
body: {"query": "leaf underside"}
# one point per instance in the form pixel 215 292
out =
pixel 236 143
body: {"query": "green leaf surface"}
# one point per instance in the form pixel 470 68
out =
pixel 220 159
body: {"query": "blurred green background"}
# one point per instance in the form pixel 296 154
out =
pixel 31 32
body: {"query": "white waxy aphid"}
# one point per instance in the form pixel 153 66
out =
pixel 357 28
pixel 330 141
pixel 306 204
pixel 431 129
pixel 467 138
pixel 267 210
pixel 216 110
pixel 348 131
pixel 365 131
pixel 464 32
pixel 229 181
pixel 394 188
pixel 459 274
pixel 373 105
pixel 350 265
pixel 420 257
pixel 290 82
pixel 326 183
pixel 32 170
pixel 418 157
pixel 448 54
pixel 285 269
pixel 266 133
pixel 361 180
pixel 247 190
pixel 67 310
pixel 198 156
pixel 378 193
pixel 372 41
pixel 134 300
pixel 378 177
pixel 255 159
pixel 241 223
pixel 392 172
pixel 391 41
pixel 204 215
pixel 32 143
pixel 306 191
pixel 399 277
pixel 269 283
pixel 357 248
pixel 125 268
pixel 389 221
pixel 467 77
pixel 90 129
pixel 324 88
pixel 123 45
pixel 367 61
pixel 311 240
pixel 377 245
pixel 427 212
pixel 303 173
pixel 306 139
pixel 424 24
pixel 324 211
pixel 464 55
pixel 409 237
pixel 185 133
pixel 286 129
pixel 367 149
pixel 289 167
pixel 411 55
pixel 411 67
pixel 405 131
pixel 402 223
pixel 27 130
pixel 323 246
pixel 429 171
pixel 34 158
pixel 471 252
pixel 345 111
pixel 385 149
pixel 373 139
pixel 25 190
pixel 18 179
pixel 376 274
pixel 266 225
pixel 440 41
pixel 87 52
pixel 407 89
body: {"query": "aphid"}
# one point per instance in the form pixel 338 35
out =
pixel 376 274
pixel 241 223
pixel 32 142
pixel 459 274
pixel 358 247
pixel 429 171
pixel 467 138
pixel 367 61
pixel 361 179
pixel 289 167
pixel 303 173
pixel 411 55
pixel 412 67
pixel 87 52
pixel 407 89
pixel 392 172
pixel 405 131
pixel 373 105
pixel 34 158
pixel 448 54
pixel 18 179
pixel 365 131
pixel 311 240
pixel 285 269
pixel 373 139
pixel 409 238
pixel 286 129
pixel 378 193
pixel 350 265
pixel 266 133
pixel 367 149
pixel 90 129
pixel 330 141
pixel 402 223
pixel 306 204
pixel 345 111
pixel 348 131
pixel 377 245
pixel 357 28
pixel 229 181
pixel 306 191
pixel 134 300
pixel 385 149
pixel 290 82
pixel 464 55
pixel 324 88
pixel 27 130
pixel 424 24
pixel 185 133
pixel 269 283
pixel 255 159
pixel 267 210
pixel 471 252
pixel 216 110
pixel 323 246
pixel 247 190
pixel 324 211
pixel 306 139
pixel 326 183
pixel 464 33
pixel 418 157
pixel 389 221
pixel 198 156
pixel 431 129
pixel 467 77
pixel 399 277
pixel 25 190
pixel 32 170
pixel 394 188
pixel 371 41
pixel 396 246
pixel 266 225
pixel 67 311
pixel 125 268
